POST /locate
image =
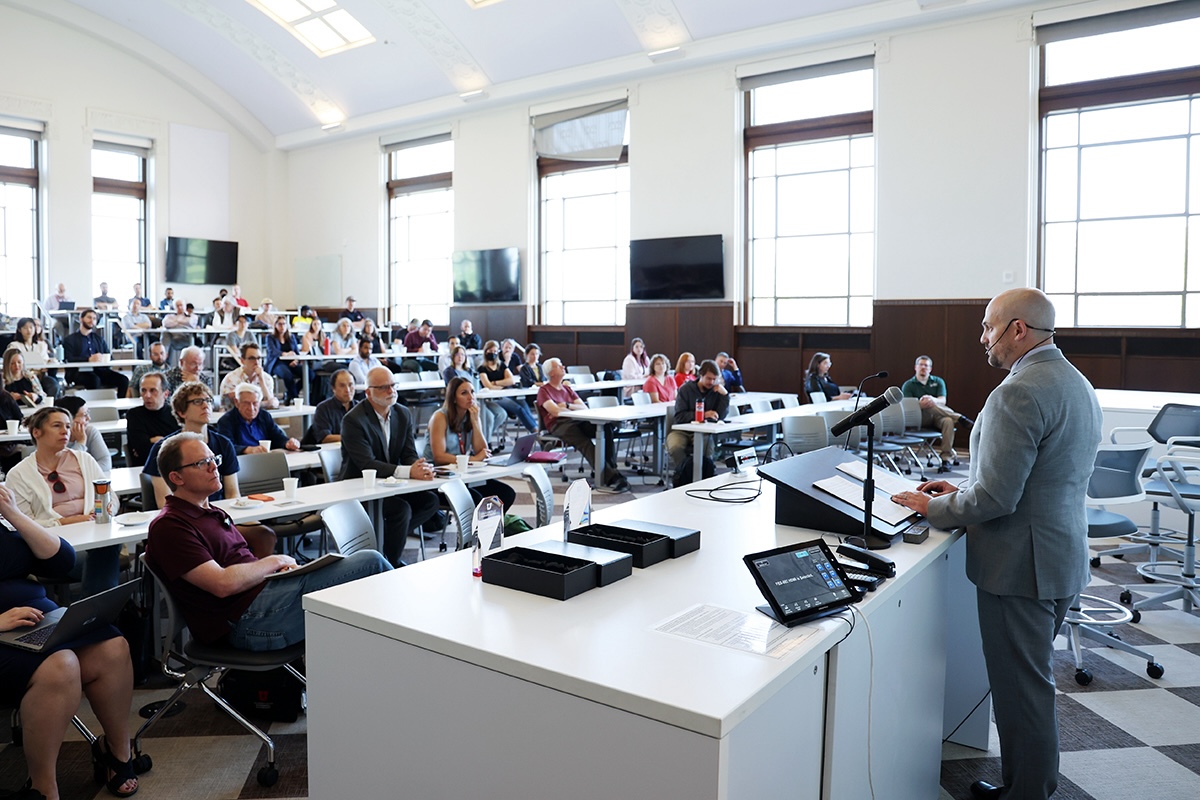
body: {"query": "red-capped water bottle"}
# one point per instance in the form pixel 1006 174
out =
pixel 699 411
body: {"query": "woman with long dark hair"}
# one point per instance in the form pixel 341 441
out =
pixel 636 364
pixel 455 429
pixel 29 342
pixel 281 349
pixel 818 380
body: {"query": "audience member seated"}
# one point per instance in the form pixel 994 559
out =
pixel 312 341
pixel 708 390
pixel 168 301
pixel 87 344
pixel 179 330
pixel 305 318
pixel 731 376
pixel 467 336
pixel 266 316
pixel 327 421
pixel 158 363
pixel 210 570
pixel 225 313
pixel 140 296
pixel 235 292
pixel 685 369
pixel 660 385
pixel 510 358
pixel 29 343
pixel 47 687
pixel 364 446
pixel 240 336
pixel 457 429
pixel 249 372
pixel 55 301
pixel 54 485
pixel 351 313
pixel 343 342
pixel 421 341
pixel 249 423
pixel 555 396
pixel 19 382
pixel 136 319
pixel 495 375
pixel 445 358
pixel 151 421
pixel 84 436
pixel 190 368
pixel 818 379
pixel 532 372
pixel 281 349
pixel 193 407
pixel 363 362
pixel 930 391
pixel 103 301
pixel 494 416
pixel 636 365
pixel 10 452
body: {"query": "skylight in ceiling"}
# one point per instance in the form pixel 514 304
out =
pixel 321 25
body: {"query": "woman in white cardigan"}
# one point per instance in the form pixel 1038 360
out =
pixel 636 366
pixel 54 486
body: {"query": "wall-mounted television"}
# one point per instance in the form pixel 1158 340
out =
pixel 678 268
pixel 200 261
pixel 487 276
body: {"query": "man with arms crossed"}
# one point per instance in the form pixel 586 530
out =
pixel 327 421
pixel 930 391
pixel 378 435
pixel 1032 451
pixel 219 583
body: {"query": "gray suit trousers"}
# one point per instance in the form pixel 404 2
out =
pixel 1018 641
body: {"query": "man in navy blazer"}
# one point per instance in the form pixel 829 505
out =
pixel 1032 451
pixel 378 435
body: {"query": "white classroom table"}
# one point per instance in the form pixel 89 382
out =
pixel 615 415
pixel 127 480
pixel 586 699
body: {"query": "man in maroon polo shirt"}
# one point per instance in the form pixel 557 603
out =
pixel 219 584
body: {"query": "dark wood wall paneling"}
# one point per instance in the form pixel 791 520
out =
pixel 703 329
pixel 492 321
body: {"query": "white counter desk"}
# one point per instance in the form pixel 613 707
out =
pixel 522 697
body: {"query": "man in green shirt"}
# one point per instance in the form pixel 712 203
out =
pixel 930 391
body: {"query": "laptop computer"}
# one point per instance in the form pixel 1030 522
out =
pixel 801 582
pixel 66 305
pixel 65 624
pixel 520 452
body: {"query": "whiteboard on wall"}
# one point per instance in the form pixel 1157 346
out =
pixel 318 281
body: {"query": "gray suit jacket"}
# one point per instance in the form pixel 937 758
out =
pixel 1032 452
pixel 363 446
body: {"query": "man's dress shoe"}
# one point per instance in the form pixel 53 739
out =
pixel 982 790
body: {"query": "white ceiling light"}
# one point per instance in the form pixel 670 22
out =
pixel 320 25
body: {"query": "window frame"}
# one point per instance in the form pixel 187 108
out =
pixel 31 178
pixel 138 190
pixel 400 187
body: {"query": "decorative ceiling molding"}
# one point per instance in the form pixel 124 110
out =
pixel 276 64
pixel 657 23
pixel 442 46
pixel 25 107
pixel 99 119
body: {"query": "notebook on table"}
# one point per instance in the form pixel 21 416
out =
pixel 65 624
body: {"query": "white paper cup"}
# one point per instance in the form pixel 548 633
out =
pixel 289 487
pixel 369 478
pixel 462 462
pixel 265 444
pixel 299 401
pixel 14 425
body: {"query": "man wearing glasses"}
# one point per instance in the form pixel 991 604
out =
pixel 219 583
pixel 250 371
pixel 249 423
pixel 378 435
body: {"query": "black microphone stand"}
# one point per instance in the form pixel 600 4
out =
pixel 869 542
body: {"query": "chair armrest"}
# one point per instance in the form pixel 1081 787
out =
pixel 1112 435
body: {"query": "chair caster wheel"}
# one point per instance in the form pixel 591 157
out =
pixel 142 763
pixel 1095 562
pixel 1126 597
pixel 1154 669
pixel 267 776
pixel 1083 677
pixel 1137 616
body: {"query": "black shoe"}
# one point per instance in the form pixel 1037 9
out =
pixel 945 467
pixel 963 419
pixel 982 790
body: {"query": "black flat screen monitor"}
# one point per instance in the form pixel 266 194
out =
pixel 201 261
pixel 679 268
pixel 487 276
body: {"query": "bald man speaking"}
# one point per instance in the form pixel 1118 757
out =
pixel 1032 451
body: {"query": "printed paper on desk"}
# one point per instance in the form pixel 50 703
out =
pixel 750 633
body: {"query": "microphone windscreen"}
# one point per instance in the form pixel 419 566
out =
pixel 882 374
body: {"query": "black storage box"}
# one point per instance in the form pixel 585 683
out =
pixel 612 564
pixel 683 540
pixel 536 572
pixel 646 548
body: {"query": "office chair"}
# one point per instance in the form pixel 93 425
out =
pixel 1174 425
pixel 349 526
pixel 817 397
pixel 93 394
pixel 197 663
pixel 911 406
pixel 1179 476
pixel 264 472
pixel 804 434
pixel 331 463
pixel 543 494
pixel 626 432
pixel 791 401
pixel 851 439
pixel 462 510
pixel 1115 480
pixel 892 431
pixel 580 369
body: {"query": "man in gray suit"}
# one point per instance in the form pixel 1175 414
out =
pixel 378 435
pixel 1032 451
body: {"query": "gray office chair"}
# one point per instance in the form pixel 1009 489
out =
pixel 851 439
pixel 331 463
pixel 192 664
pixel 817 397
pixel 543 494
pixel 349 527
pixel 462 510
pixel 264 473
pixel 892 430
pixel 580 369
pixel 805 434
pixel 791 401
pixel 1115 480
pixel 911 406
pixel 1178 486
pixel 93 394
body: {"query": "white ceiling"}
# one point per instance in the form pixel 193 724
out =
pixel 427 52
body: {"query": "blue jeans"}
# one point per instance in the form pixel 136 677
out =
pixel 520 411
pixel 275 619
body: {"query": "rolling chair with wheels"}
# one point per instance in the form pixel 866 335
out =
pixel 193 664
pixel 892 431
pixel 462 509
pixel 804 434
pixel 543 494
pixel 264 472
pixel 1177 485
pixel 349 526
pixel 1115 479
pixel 911 407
